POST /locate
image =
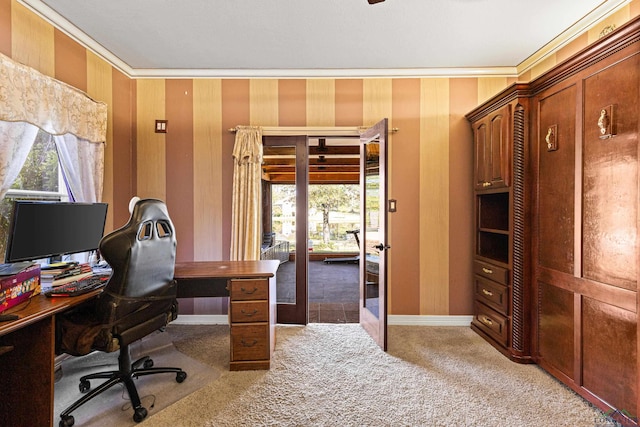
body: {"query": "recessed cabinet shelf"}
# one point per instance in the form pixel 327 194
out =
pixel 493 211
pixel 493 246
pixel 492 241
pixel 494 230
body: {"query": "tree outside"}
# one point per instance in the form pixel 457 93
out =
pixel 334 209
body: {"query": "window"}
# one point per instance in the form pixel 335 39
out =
pixel 39 179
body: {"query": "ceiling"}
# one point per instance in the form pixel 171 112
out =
pixel 306 38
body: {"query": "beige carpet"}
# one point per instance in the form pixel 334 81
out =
pixel 112 408
pixel 334 375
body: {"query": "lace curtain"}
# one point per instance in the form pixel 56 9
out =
pixel 82 166
pixel 30 101
pixel 246 220
pixel 16 140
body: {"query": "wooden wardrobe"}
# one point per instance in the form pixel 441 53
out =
pixel 569 222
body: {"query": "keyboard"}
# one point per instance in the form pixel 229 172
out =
pixel 78 287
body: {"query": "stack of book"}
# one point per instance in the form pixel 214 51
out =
pixel 60 273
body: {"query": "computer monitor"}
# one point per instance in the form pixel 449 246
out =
pixel 41 230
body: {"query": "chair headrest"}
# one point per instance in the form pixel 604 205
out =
pixel 142 252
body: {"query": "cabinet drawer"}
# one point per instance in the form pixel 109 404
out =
pixel 490 271
pixel 250 342
pixel 249 311
pixel 248 289
pixel 492 323
pixel 492 294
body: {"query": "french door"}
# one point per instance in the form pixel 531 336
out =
pixel 296 311
pixel 374 247
pixel 373 232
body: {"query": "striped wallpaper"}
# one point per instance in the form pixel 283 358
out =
pixel 190 166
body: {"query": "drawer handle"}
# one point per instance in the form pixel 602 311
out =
pixel 486 184
pixel 249 292
pixel 249 314
pixel 487 270
pixel 246 344
pixel 486 320
pixel 486 292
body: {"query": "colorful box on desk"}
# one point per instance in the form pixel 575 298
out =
pixel 19 287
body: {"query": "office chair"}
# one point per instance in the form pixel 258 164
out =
pixel 139 298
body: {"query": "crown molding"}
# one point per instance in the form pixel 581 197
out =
pixel 605 9
pixel 324 73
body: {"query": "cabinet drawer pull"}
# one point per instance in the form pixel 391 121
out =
pixel 486 320
pixel 249 292
pixel 247 344
pixel 487 270
pixel 486 184
pixel 249 314
pixel 486 292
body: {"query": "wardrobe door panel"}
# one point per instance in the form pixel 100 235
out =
pixel 556 328
pixel 500 153
pixel 610 200
pixel 481 148
pixel 556 181
pixel 609 344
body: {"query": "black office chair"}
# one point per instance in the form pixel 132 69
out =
pixel 139 298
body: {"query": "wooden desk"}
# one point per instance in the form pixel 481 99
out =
pixel 27 345
pixel 251 288
pixel 27 358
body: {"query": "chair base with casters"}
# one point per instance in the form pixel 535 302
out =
pixel 125 374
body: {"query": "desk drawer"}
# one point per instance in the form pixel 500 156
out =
pixel 249 311
pixel 492 323
pixel 248 289
pixel 492 294
pixel 490 271
pixel 250 342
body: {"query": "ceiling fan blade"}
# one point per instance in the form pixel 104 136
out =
pixel 375 1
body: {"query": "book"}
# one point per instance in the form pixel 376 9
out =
pixel 57 268
pixel 49 282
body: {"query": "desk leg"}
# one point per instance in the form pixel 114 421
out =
pixel 26 375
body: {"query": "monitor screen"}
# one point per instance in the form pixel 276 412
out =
pixel 46 229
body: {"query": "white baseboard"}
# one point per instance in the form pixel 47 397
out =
pixel 407 320
pixel 428 320
pixel 202 319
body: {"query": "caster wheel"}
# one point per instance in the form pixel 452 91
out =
pixel 181 376
pixel 67 421
pixel 140 414
pixel 148 364
pixel 84 386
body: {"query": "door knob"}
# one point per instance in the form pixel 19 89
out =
pixel 382 247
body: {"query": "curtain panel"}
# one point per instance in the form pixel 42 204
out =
pixel 246 219
pixel 26 95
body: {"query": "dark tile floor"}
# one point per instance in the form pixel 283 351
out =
pixel 333 291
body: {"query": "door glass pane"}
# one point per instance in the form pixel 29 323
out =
pixel 372 226
pixel 283 221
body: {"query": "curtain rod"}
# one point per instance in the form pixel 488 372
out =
pixel 328 131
